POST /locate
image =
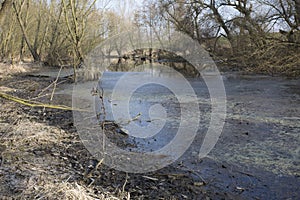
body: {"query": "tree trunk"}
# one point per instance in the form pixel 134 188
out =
pixel 4 6
pixel 297 15
pixel 222 23
pixel 33 52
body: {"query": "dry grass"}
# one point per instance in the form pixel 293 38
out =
pixel 8 70
pixel 277 58
pixel 63 190
pixel 36 158
pixel 33 167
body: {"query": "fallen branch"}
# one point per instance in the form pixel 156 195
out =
pixel 37 104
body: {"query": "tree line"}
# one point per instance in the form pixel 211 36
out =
pixel 250 33
pixel 56 32
pixel 247 32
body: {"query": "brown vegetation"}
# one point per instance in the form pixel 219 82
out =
pixel 263 36
pixel 251 29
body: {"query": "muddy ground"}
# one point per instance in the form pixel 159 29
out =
pixel 42 157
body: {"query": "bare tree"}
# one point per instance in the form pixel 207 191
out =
pixel 76 14
pixel 285 14
pixel 18 6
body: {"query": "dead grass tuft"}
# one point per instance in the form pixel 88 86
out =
pixel 64 191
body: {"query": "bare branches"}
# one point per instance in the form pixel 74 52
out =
pixel 50 31
pixel 18 11
pixel 248 26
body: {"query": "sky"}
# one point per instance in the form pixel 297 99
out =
pixel 123 7
pixel 117 5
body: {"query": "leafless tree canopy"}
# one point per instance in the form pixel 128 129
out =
pixel 260 33
pixel 250 33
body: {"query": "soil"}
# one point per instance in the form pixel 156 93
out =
pixel 42 157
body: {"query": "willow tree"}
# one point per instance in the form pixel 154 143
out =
pixel 18 7
pixel 76 14
pixel 6 29
pixel 4 6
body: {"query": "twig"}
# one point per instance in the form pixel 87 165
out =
pixel 55 83
pixel 150 178
pixel 124 185
pixel 40 96
pixel 45 95
pixel 43 90
pixel 131 120
pixel 99 163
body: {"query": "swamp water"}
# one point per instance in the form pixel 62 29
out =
pixel 260 138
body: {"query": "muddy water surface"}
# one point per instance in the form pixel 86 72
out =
pixel 260 140
pixel 258 153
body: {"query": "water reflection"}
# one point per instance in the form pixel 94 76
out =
pixel 154 67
